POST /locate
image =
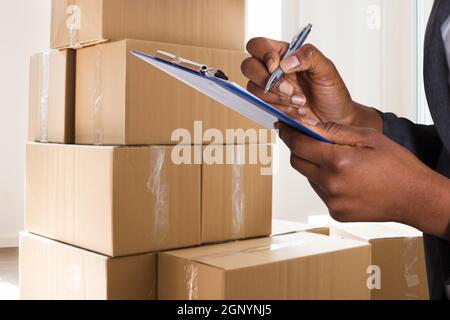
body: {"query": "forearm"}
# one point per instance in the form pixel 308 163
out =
pixel 428 205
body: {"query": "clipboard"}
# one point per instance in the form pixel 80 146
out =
pixel 215 84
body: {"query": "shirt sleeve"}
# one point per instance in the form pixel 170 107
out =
pixel 423 141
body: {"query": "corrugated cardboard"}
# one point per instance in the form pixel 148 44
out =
pixel 206 23
pixel 236 198
pixel 295 266
pixel 50 270
pixel 112 200
pixel 121 100
pixel 52 97
pixel 398 251
pixel 280 227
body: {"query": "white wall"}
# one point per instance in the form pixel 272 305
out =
pixel 24 30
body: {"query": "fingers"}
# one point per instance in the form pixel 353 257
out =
pixel 297 101
pixel 319 190
pixel 303 146
pixel 308 58
pixel 268 51
pixel 256 72
pixel 306 168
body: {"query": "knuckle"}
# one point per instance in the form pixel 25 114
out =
pixel 337 210
pixel 250 87
pixel 308 49
pixel 245 65
pixel 341 163
pixel 253 42
pixel 290 141
pixel 339 216
pixel 296 146
pixel 293 161
pixel 333 186
pixel 333 205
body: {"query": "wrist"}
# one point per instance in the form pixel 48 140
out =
pixel 427 208
pixel 364 117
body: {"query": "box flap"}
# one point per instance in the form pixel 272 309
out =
pixel 242 254
pixel 280 227
pixel 374 231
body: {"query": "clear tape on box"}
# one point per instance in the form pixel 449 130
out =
pixel 411 267
pixel 97 98
pixel 191 268
pixel 73 24
pixel 158 187
pixel 238 193
pixel 43 96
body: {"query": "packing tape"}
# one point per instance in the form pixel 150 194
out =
pixel 238 193
pixel 43 97
pixel 97 99
pixel 191 272
pixel 411 267
pixel 73 24
pixel 159 190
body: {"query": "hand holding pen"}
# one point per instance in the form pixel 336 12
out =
pixel 296 44
pixel 311 89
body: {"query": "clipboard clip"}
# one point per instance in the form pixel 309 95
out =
pixel 191 65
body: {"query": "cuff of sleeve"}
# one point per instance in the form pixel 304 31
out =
pixel 388 123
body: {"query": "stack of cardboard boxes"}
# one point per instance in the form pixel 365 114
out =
pixel 106 200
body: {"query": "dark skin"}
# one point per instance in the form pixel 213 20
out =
pixel 363 176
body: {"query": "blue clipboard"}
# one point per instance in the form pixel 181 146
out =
pixel 204 79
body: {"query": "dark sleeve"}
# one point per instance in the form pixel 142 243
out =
pixel 421 140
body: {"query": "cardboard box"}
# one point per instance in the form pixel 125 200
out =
pixel 398 256
pixel 280 227
pixel 236 197
pixel 52 97
pixel 206 23
pixel 295 266
pixel 112 200
pixel 121 100
pixel 50 270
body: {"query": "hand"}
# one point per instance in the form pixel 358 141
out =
pixel 312 90
pixel 365 177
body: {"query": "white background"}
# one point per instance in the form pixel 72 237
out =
pixel 373 43
pixel 24 30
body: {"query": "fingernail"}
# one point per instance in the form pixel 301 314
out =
pixel 303 111
pixel 271 65
pixel 286 88
pixel 311 122
pixel 290 63
pixel 298 100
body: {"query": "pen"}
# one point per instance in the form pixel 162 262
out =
pixel 296 44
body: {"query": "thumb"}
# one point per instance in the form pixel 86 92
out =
pixel 347 135
pixel 308 58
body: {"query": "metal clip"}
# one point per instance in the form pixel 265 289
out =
pixel 190 65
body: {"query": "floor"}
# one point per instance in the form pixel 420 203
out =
pixel 9 277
